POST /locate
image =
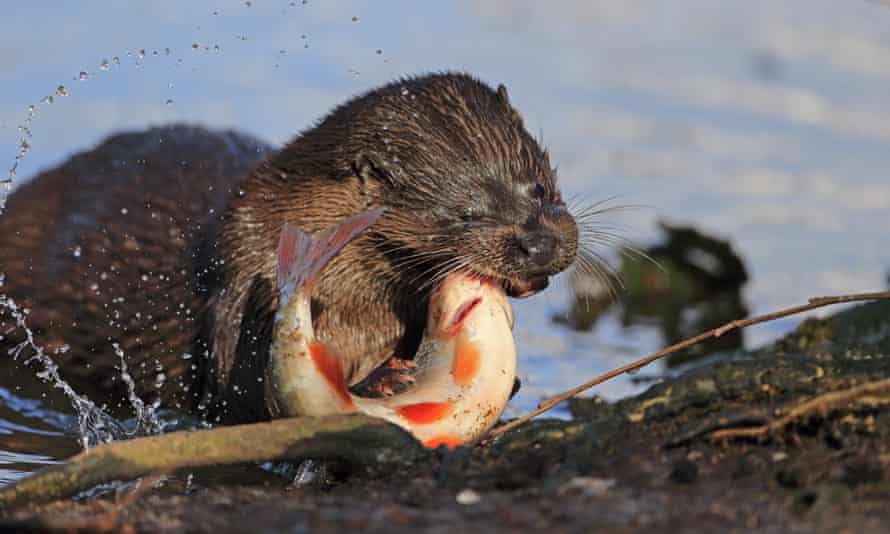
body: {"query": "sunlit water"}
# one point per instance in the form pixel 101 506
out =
pixel 763 122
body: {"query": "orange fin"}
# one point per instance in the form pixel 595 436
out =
pixel 302 256
pixel 466 361
pixel 425 412
pixel 330 368
pixel 451 442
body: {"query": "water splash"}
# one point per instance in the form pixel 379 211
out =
pixel 147 421
pixel 94 425
pixel 62 91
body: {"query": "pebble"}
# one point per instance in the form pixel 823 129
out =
pixel 468 497
pixel 591 486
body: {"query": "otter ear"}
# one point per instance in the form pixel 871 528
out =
pixel 369 166
pixel 505 99
pixel 502 94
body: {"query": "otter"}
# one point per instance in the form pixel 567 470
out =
pixel 165 241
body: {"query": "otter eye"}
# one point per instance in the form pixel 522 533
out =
pixel 539 190
pixel 471 215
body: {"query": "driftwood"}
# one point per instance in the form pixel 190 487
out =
pixel 821 404
pixel 357 439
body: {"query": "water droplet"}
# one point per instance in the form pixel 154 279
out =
pixel 354 18
pixel 83 75
pixel 248 3
pixel 61 91
pixel 116 60
pixel 169 102
pixel 104 64
pixel 47 100
pixel 167 51
pixel 195 46
pixel 141 54
pixel 77 251
pixel 124 211
pixel 379 51
pixel 405 91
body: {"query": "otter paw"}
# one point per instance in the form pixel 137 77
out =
pixel 391 378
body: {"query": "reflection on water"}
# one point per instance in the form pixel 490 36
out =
pixel 32 435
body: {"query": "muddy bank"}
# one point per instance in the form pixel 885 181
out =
pixel 641 464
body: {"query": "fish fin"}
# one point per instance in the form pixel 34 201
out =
pixel 331 369
pixel 302 256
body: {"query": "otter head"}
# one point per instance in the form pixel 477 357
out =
pixel 465 186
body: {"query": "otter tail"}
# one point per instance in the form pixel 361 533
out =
pixel 302 256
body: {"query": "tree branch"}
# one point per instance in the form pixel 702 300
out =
pixel 816 302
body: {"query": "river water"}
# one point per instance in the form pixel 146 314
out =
pixel 763 123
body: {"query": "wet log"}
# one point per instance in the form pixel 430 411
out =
pixel 357 439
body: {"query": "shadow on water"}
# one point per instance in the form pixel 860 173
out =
pixel 685 285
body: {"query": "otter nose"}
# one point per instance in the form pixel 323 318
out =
pixel 540 247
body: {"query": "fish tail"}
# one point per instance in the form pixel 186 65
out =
pixel 302 256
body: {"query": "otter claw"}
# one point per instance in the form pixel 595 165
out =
pixel 391 378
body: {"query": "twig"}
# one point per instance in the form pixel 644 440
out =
pixel 822 403
pixel 816 302
pixel 356 438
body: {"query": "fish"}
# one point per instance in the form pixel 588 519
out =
pixel 465 366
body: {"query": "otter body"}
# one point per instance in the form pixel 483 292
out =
pixel 166 241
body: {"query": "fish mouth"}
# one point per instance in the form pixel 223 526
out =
pixel 522 288
pixel 518 288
